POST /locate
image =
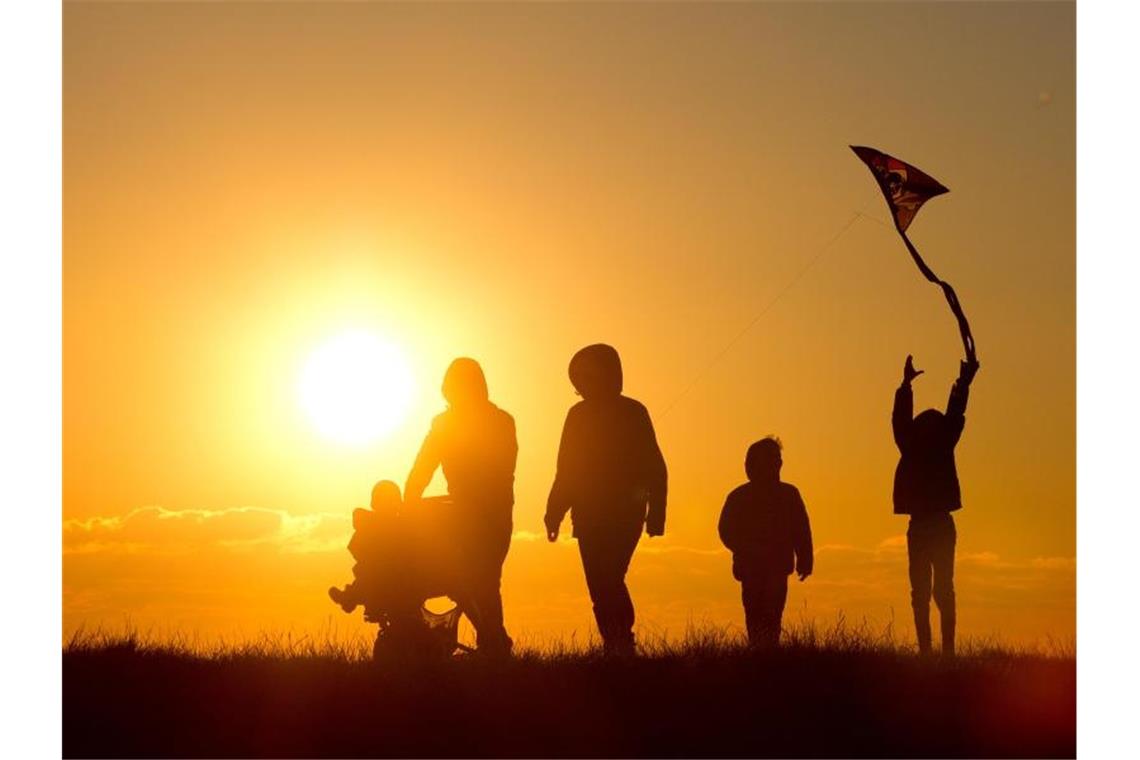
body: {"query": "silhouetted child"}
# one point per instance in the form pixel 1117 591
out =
pixel 765 525
pixel 612 480
pixel 926 488
pixel 374 545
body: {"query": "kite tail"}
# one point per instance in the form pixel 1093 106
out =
pixel 918 259
pixel 963 324
pixel 951 298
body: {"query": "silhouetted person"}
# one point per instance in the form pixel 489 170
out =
pixel 376 545
pixel 926 488
pixel 765 525
pixel 609 469
pixel 474 442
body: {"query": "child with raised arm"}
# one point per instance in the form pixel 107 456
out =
pixel 765 525
pixel 926 488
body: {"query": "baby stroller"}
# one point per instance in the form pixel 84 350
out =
pixel 425 636
pixel 416 563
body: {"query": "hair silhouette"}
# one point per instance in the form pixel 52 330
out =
pixel 464 383
pixel 763 460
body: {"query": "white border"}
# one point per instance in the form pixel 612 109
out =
pixel 30 382
pixel 1107 377
pixel 31 375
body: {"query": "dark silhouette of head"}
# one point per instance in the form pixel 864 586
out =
pixel 385 496
pixel 464 384
pixel 763 462
pixel 595 371
pixel 928 427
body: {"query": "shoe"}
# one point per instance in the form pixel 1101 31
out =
pixel 341 598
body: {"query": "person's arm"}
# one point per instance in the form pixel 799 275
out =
pixel 657 482
pixel 959 395
pixel 512 453
pixel 558 502
pixel 903 410
pixel 423 469
pixel 801 527
pixel 727 526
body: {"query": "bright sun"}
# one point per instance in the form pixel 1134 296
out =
pixel 356 388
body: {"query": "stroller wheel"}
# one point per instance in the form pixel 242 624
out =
pixel 409 642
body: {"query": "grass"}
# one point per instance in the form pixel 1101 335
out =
pixel 841 689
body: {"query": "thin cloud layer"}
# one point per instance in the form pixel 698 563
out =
pixel 157 528
pixel 268 568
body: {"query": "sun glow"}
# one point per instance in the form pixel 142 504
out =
pixel 356 388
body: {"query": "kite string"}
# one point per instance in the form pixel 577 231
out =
pixel 700 375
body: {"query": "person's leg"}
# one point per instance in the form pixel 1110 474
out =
pixel 942 555
pixel 494 633
pixel 770 596
pixel 599 578
pixel 779 600
pixel 487 600
pixel 605 559
pixel 623 615
pixel 918 556
pixel 751 594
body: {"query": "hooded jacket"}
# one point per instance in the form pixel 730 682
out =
pixel 611 473
pixel 926 479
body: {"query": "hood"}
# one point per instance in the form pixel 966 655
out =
pixel 595 371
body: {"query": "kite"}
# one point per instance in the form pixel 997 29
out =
pixel 906 188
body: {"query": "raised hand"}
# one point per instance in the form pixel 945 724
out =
pixel 909 372
pixel 551 532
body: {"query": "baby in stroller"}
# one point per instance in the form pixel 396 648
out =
pixel 399 566
pixel 375 543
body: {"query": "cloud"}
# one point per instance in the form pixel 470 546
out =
pixel 1061 563
pixel 228 567
pixel 157 528
pixel 667 549
pixel 893 543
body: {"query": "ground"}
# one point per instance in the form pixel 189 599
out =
pixel 845 694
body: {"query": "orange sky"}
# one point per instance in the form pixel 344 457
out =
pixel 243 181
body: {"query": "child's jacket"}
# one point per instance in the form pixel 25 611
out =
pixel 926 479
pixel 767 530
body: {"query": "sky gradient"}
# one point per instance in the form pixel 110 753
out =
pixel 243 181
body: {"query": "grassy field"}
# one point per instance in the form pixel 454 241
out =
pixel 843 691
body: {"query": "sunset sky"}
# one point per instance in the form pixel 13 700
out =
pixel 246 182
